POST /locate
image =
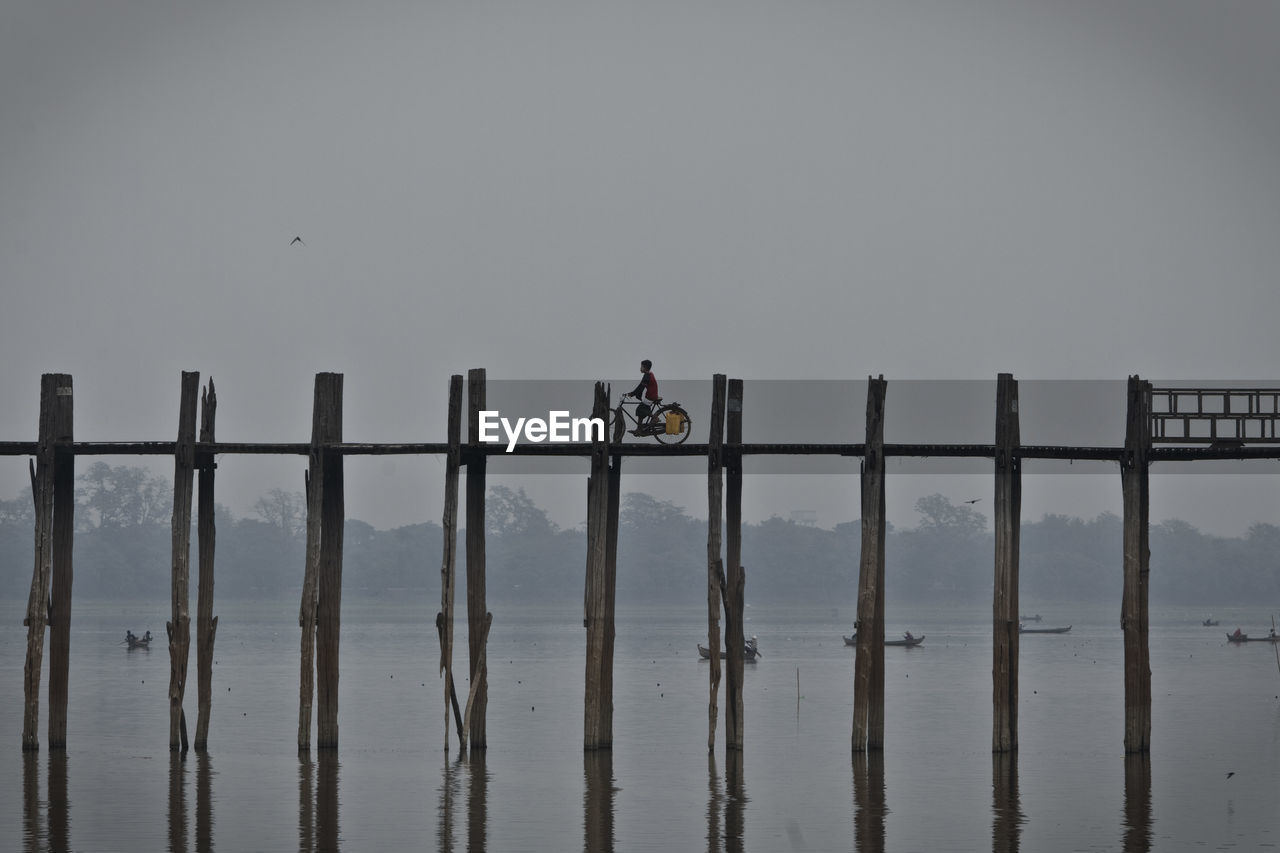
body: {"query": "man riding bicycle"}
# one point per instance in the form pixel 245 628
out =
pixel 649 388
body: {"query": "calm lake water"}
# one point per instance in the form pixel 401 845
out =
pixel 796 786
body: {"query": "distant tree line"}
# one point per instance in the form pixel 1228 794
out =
pixel 122 544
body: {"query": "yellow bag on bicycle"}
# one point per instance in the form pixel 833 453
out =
pixel 675 423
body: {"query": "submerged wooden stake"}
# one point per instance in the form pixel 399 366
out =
pixel 329 574
pixel 206 622
pixel 449 561
pixel 735 575
pixel 597 616
pixel 42 491
pixel 64 498
pixel 1008 502
pixel 477 612
pixel 715 566
pixel 1137 555
pixel 868 688
pixel 179 626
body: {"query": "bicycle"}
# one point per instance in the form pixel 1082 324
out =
pixel 669 423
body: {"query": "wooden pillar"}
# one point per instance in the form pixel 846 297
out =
pixel 449 562
pixel 329 568
pixel 42 491
pixel 313 479
pixel 206 532
pixel 1008 504
pixel 64 501
pixel 715 566
pixel 179 625
pixel 735 575
pixel 478 617
pixel 597 618
pixel 612 501
pixel 868 688
pixel 1137 554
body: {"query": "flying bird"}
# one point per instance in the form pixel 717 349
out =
pixel 1232 773
pixel 296 240
pixel 974 501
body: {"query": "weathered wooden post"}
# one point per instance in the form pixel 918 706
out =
pixel 478 616
pixel 206 622
pixel 179 626
pixel 868 688
pixel 1008 503
pixel 64 501
pixel 715 566
pixel 598 615
pixel 735 575
pixel 1137 554
pixel 313 479
pixel 612 500
pixel 329 573
pixel 449 562
pixel 42 480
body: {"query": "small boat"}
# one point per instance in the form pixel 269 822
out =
pixel 1023 629
pixel 133 641
pixel 1238 637
pixel 1210 623
pixel 750 651
pixel 1035 618
pixel 907 640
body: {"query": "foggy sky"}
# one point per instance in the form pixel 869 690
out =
pixel 781 190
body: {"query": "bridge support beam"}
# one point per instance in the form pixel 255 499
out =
pixel 1134 479
pixel 1008 503
pixel 868 686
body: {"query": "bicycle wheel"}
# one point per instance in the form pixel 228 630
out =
pixel 686 426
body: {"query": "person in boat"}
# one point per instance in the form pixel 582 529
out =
pixel 1237 634
pixel 907 636
pixel 146 637
pixel 647 390
pixel 130 637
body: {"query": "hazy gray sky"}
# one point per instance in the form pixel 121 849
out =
pixel 928 190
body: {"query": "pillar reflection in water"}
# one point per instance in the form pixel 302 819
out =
pixel 714 799
pixel 869 808
pixel 177 805
pixel 306 803
pixel 726 808
pixel 31 835
pixel 597 800
pixel 327 800
pixel 1137 803
pixel 204 803
pixel 1006 807
pixel 477 807
pixel 448 794
pixel 59 807
pixel 318 811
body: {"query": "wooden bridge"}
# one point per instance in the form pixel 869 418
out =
pixel 1162 424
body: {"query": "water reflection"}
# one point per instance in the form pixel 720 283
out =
pixel 318 813
pixel 58 805
pixel 729 803
pixel 31 801
pixel 177 806
pixel 869 808
pixel 449 786
pixel 1137 803
pixel 204 803
pixel 477 807
pixel 1006 826
pixel 713 805
pixel 597 801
